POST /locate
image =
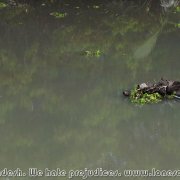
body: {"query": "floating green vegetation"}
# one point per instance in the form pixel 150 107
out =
pixel 140 98
pixel 93 53
pixel 2 5
pixel 58 14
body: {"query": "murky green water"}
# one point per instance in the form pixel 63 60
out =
pixel 60 108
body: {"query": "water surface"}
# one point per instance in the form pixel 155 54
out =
pixel 60 108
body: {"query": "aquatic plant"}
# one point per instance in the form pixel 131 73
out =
pixel 58 14
pixel 140 98
pixel 95 53
pixel 2 5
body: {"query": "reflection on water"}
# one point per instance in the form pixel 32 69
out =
pixel 62 108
